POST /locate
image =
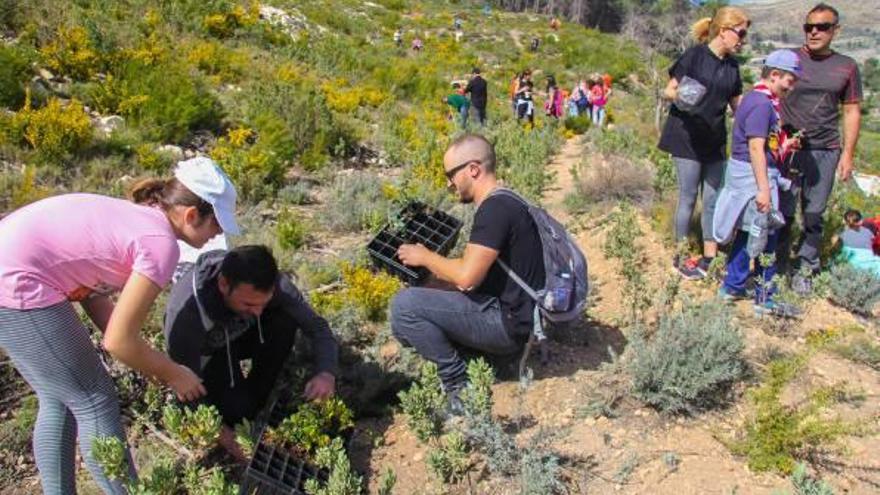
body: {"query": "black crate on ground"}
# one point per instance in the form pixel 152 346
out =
pixel 275 471
pixel 419 223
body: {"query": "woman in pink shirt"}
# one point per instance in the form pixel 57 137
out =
pixel 83 248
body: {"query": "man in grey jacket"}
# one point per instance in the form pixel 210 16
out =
pixel 234 305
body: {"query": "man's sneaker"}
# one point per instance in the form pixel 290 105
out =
pixel 728 295
pixel 778 309
pixel 801 285
pixel 690 269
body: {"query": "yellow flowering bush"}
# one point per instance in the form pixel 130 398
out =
pixel 211 57
pixel 370 293
pixel 72 54
pixel 224 24
pixel 55 130
pixel 346 100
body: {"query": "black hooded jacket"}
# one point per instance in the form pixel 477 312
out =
pixel 198 323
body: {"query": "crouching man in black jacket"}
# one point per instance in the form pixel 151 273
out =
pixel 234 305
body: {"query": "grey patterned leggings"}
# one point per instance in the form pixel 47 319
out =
pixel 692 177
pixel 51 349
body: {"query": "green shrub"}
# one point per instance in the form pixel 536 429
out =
pixel 423 404
pixel 804 484
pixel 854 289
pixel 197 428
pixel 450 461
pixel 369 293
pixel 55 131
pixel 579 124
pixel 72 53
pixel 290 230
pixel 621 244
pixel 611 180
pixel 111 456
pixel 15 69
pixel 522 155
pixel 356 202
pixel 312 427
pixel 166 101
pixel 342 480
pixel 862 349
pixel 776 435
pixel 477 395
pixel 540 473
pixel 691 360
pixel 16 432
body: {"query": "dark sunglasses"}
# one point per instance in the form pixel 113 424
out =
pixel 454 170
pixel 740 33
pixel 821 26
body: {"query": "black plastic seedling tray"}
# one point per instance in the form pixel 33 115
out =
pixel 275 471
pixel 419 224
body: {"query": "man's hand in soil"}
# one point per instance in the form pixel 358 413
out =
pixel 413 254
pixel 321 386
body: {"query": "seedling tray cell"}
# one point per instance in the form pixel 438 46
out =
pixel 419 223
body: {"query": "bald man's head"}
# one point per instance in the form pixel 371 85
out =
pixel 472 147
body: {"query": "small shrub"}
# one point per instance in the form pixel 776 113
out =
pixel 290 230
pixel 450 461
pixel 15 69
pixel 299 193
pixel 110 454
pixel 423 404
pixel 501 451
pixel 342 480
pixel 854 289
pixel 370 292
pixel 152 159
pixel 777 435
pixel 197 428
pixel 312 427
pixel 804 484
pixel 862 350
pixel 578 125
pixel 522 156
pixel 54 131
pixel 72 54
pixel 621 243
pixel 477 395
pixel 540 473
pixel 387 482
pixel 691 360
pixel 356 202
pixel 214 59
pixel 199 480
pixel 244 437
pixel 612 180
pixel 224 24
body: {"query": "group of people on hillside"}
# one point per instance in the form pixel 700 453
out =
pixel 458 100
pixel 785 152
pixel 588 97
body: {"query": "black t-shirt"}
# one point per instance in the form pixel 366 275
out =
pixel 702 134
pixel 504 224
pixel 477 89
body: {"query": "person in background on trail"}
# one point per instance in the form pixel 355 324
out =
pixel 695 133
pixel 398 38
pixel 459 102
pixel 456 24
pixel 417 44
pixel 83 248
pixel 597 101
pixel 582 90
pixel 478 89
pixel 606 85
pixel 831 82
pixel 235 305
pixel 525 104
pixel 555 23
pixel 514 87
pixel 747 211
pixel 485 310
pixel 536 42
pixel 553 106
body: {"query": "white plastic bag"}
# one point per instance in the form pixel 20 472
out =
pixel 690 94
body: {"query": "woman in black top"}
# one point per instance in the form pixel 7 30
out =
pixel 696 134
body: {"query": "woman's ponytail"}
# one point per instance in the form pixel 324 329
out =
pixel 700 29
pixel 149 192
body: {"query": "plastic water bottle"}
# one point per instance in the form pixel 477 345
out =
pixel 760 229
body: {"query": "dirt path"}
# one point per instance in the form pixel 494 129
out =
pixel 514 35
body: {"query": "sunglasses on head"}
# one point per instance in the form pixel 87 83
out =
pixel 740 33
pixel 454 170
pixel 821 26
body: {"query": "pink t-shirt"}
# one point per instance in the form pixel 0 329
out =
pixel 70 246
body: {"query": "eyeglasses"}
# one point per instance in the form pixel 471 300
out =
pixel 740 33
pixel 821 26
pixel 454 170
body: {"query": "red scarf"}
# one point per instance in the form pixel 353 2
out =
pixel 781 148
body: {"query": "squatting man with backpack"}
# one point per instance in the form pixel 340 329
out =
pixel 490 307
pixel 235 305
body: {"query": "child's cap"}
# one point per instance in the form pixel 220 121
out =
pixel 786 60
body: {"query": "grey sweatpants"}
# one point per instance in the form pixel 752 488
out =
pixel 51 349
pixel 811 191
pixel 692 177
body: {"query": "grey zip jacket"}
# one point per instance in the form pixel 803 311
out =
pixel 198 323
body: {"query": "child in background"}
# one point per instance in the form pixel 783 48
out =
pixel 858 240
pixel 597 100
pixel 525 105
pixel 749 200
